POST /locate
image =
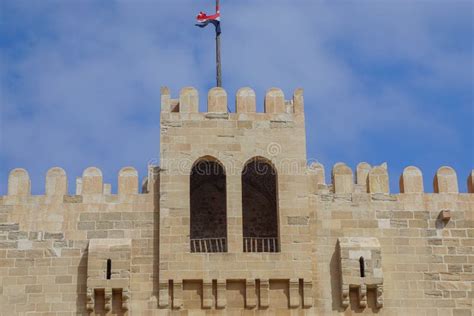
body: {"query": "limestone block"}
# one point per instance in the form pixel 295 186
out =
pixel 177 294
pixel 92 181
pixel 19 182
pixel 56 181
pixel 188 100
pixel 90 300
pixel 307 293
pixel 274 101
pixel 217 100
pixel 128 181
pixel 221 293
pixel 108 299
pixel 342 178
pixel 264 293
pixel 445 215
pixel 317 169
pixel 378 180
pixel 411 180
pixel 126 299
pixel 245 101
pixel 165 99
pixel 206 293
pixel 164 296
pixel 298 101
pixel 250 294
pixel 445 181
pixel 470 182
pixel 362 173
pixel 294 296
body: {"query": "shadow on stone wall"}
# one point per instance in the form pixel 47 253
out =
pixel 81 285
pixel 335 271
pixel 156 237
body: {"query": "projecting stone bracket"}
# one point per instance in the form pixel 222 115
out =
pixel 257 293
pixel 361 269
pixel 108 270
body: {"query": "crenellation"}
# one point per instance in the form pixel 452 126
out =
pixel 378 181
pixel 445 181
pixel 411 180
pixel 362 174
pixel 217 100
pixel 128 181
pixel 245 101
pixel 274 101
pixel 56 182
pixel 92 181
pixel 342 178
pixel 19 183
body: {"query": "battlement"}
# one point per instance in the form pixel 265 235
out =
pixel 245 101
pixel 367 179
pixel 90 184
pixel 375 179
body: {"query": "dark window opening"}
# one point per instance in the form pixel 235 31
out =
pixel 259 207
pixel 208 207
pixel 109 269
pixel 362 267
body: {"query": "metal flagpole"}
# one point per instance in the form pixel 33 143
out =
pixel 218 53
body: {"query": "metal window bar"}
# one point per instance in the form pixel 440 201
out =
pixel 205 245
pixel 260 244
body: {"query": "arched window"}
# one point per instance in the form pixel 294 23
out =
pixel 362 267
pixel 260 206
pixel 208 206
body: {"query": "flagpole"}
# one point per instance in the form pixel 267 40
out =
pixel 218 53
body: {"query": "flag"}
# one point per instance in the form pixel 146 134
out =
pixel 203 20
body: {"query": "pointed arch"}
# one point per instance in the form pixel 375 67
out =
pixel 260 206
pixel 208 201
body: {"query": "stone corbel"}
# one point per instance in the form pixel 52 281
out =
pixel 90 299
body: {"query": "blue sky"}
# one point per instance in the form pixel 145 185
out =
pixel 385 81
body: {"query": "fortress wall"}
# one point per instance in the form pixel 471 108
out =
pixel 427 260
pixel 44 242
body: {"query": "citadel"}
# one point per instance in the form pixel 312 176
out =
pixel 234 221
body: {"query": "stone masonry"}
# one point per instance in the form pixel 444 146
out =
pixel 235 222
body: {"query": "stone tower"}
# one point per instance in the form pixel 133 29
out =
pixel 261 195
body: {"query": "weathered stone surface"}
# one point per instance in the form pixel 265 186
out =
pixel 188 100
pixel 56 182
pixel 342 178
pixel 217 100
pixel 128 181
pixel 92 181
pixel 274 101
pixel 245 101
pixel 378 180
pixel 411 181
pixel 362 174
pixel 19 182
pixel 445 181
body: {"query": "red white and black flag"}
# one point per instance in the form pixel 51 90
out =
pixel 203 19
